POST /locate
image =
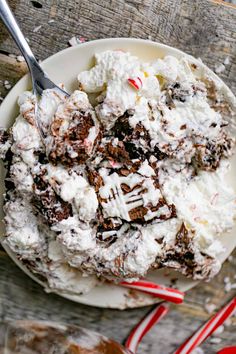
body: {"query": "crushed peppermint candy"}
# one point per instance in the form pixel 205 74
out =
pixel 76 40
pixel 232 260
pixel 219 330
pixel 219 69
pixel 136 83
pixel 7 85
pixel 210 308
pixel 215 340
pixel 228 285
pixel 20 58
pixel 227 61
pixel 228 322
pixel 36 29
pixel 198 351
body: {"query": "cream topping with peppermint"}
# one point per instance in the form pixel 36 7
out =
pixel 133 183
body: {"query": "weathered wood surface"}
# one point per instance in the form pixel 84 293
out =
pixel 202 28
pixel 206 29
pixel 21 298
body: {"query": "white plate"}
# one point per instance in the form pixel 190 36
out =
pixel 64 67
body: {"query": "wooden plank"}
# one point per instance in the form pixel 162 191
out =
pixel 11 70
pixel 22 298
pixel 202 28
pixel 224 3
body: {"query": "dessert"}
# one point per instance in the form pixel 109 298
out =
pixel 133 183
pixel 46 337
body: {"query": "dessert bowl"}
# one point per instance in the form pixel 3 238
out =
pixel 63 67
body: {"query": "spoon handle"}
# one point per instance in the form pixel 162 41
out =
pixel 10 22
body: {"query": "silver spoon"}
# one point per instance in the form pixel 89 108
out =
pixel 40 80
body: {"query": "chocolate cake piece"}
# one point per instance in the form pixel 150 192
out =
pixel 94 178
pixel 186 257
pixel 47 202
pixel 112 150
pixel 74 131
pixel 136 140
pixel 208 156
pixel 73 145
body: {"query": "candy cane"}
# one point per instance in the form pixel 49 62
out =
pixel 136 83
pixel 208 328
pixel 144 326
pixel 168 294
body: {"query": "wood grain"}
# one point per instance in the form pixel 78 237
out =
pixel 230 3
pixel 202 28
pixel 10 70
pixel 22 298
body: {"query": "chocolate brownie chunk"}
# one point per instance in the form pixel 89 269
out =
pixel 48 203
pixel 136 140
pixel 185 256
pixel 72 146
pixel 208 156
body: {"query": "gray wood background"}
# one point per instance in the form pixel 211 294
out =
pixel 206 29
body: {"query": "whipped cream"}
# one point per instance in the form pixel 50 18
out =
pixel 134 183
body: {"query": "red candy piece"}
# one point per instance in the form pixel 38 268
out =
pixel 136 83
pixel 228 350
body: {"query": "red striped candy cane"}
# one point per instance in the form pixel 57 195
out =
pixel 144 326
pixel 168 294
pixel 208 328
